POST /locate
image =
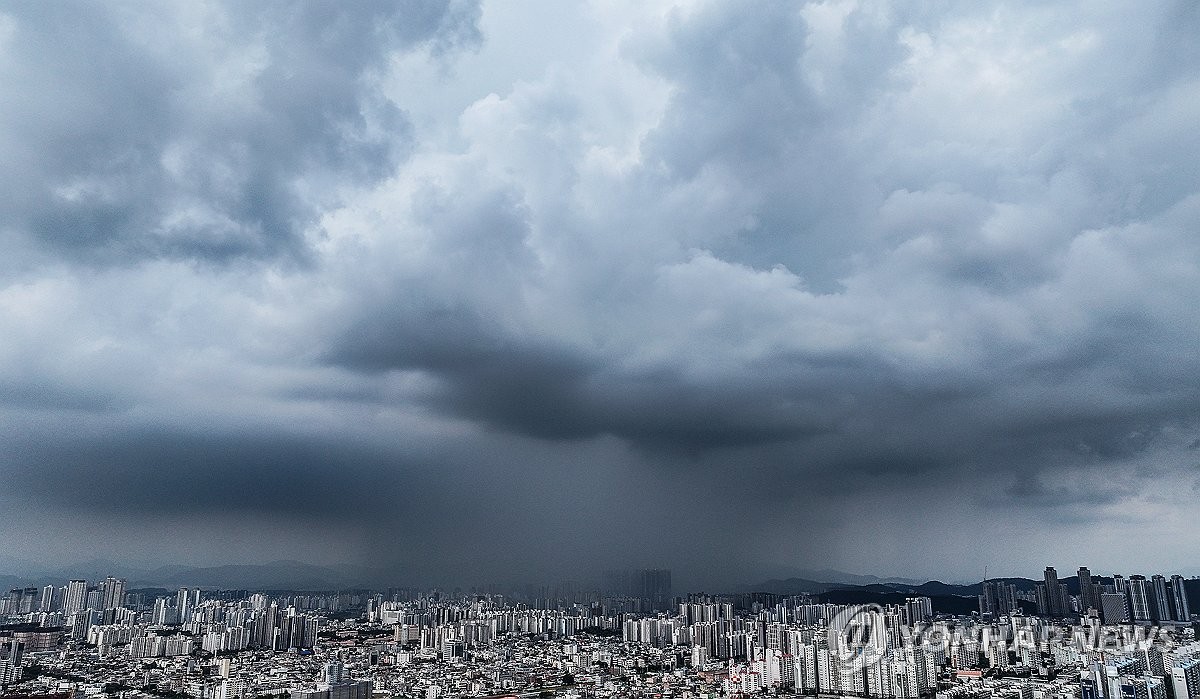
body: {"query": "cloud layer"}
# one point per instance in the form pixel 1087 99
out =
pixel 493 293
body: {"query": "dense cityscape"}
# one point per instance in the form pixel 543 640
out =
pixel 1085 637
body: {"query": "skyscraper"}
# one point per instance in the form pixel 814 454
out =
pixel 10 661
pixel 918 609
pixel 998 598
pixel 163 612
pixel 1055 595
pixel 50 596
pixel 1179 599
pixel 1160 599
pixel 1089 592
pixel 1139 599
pixel 75 599
pixel 186 602
pixel 114 592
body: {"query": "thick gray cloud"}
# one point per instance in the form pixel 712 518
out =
pixel 209 132
pixel 719 290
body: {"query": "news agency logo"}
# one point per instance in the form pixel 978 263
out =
pixel 857 636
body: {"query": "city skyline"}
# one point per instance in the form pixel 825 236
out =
pixel 472 290
pixel 634 634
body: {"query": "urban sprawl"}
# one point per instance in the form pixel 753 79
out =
pixel 1095 638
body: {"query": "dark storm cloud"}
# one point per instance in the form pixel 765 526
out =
pixel 976 336
pixel 465 327
pixel 717 284
pixel 200 131
pixel 743 105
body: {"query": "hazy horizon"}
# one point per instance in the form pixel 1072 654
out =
pixel 352 574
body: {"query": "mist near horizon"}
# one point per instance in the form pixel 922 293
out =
pixel 566 585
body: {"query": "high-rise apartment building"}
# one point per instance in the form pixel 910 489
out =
pixel 1089 591
pixel 114 592
pixel 1142 688
pixel 1160 599
pixel 918 609
pixel 75 599
pixel 10 661
pixel 1179 600
pixel 50 599
pixel 1185 677
pixel 186 602
pixel 1139 599
pixel 1052 595
pixel 998 598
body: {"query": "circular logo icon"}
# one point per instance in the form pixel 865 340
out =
pixel 857 636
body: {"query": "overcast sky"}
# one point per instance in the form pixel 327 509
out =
pixel 522 290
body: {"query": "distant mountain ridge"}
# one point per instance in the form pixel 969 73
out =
pixel 826 584
pixel 841 577
pixel 838 576
pixel 946 598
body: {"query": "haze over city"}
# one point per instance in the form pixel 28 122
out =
pixel 472 291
